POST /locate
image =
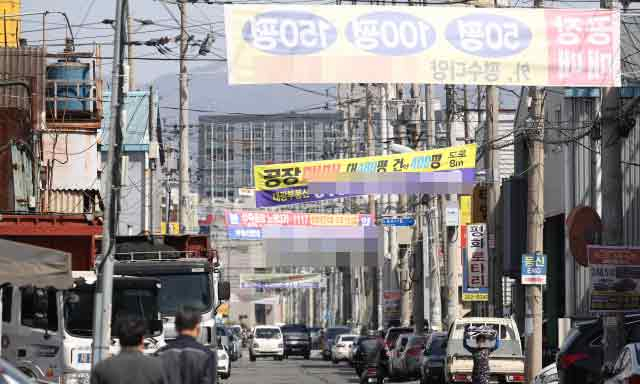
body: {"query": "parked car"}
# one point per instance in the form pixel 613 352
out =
pixel 11 374
pixel 340 350
pixel 316 334
pixel 411 358
pixel 433 357
pixel 239 333
pixel 581 356
pixel 224 366
pixel 266 341
pixel 392 335
pixel 395 356
pixel 506 363
pixel 297 340
pixel 548 375
pixel 626 369
pixel 329 337
pixel 224 338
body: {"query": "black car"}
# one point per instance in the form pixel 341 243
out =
pixel 581 357
pixel 330 335
pixel 434 355
pixel 297 340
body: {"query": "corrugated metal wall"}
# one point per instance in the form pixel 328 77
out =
pixel 584 189
pixel 25 64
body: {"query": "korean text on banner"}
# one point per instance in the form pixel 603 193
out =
pixel 281 184
pixel 9 25
pixel 280 280
pixel 437 45
pixel 615 278
pixel 260 219
pixel 476 264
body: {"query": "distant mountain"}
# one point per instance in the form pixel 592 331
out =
pixel 209 90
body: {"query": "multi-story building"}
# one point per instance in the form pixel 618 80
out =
pixel 231 145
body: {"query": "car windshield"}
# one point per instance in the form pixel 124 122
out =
pixel 267 333
pixel 346 339
pixel 191 290
pixel 416 340
pixel 333 332
pixel 78 313
pixel 294 329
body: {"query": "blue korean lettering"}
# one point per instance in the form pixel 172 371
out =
pixel 289 32
pixel 390 33
pixel 488 35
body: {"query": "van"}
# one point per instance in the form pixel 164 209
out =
pixel 266 341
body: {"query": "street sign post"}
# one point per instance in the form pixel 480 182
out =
pixel 398 221
pixel 534 269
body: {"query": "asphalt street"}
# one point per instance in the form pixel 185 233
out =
pixel 294 370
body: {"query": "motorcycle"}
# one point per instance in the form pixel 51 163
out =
pixel 372 375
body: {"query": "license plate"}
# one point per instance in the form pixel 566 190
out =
pixel 372 380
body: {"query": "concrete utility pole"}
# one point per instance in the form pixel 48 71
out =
pixel 435 315
pixel 465 107
pixel 453 237
pixel 154 195
pixel 612 213
pixel 104 286
pixel 535 231
pixel 130 61
pixel 417 240
pixel 493 192
pixel 385 133
pixel 183 121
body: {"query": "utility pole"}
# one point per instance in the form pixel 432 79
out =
pixel 372 208
pixel 612 213
pixel 453 259
pixel 417 240
pixel 130 61
pixel 183 121
pixel 154 196
pixel 465 107
pixel 493 191
pixel 535 226
pixel 435 316
pixel 104 286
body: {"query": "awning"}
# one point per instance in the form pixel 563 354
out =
pixel 24 264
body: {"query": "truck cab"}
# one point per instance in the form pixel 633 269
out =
pixel 506 363
pixel 47 333
pixel 186 281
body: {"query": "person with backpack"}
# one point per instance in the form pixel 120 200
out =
pixel 486 341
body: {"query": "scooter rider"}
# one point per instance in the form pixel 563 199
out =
pixel 484 338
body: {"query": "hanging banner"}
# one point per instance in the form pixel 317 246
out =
pixel 290 43
pixel 282 184
pixel 391 306
pixel 260 219
pixel 244 233
pixel 475 279
pixel 9 25
pixel 615 278
pixel 280 280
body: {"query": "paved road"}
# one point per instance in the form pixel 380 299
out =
pixel 294 370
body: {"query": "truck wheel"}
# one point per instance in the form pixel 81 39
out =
pixel 252 357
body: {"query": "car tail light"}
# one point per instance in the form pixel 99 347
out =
pixel 633 380
pixel 414 352
pixel 372 371
pixel 462 378
pixel 516 378
pixel 566 361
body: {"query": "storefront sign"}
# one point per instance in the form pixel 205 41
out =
pixel 291 43
pixel 281 280
pixel 391 308
pixel 615 278
pixel 476 264
pixel 534 269
pixel 244 233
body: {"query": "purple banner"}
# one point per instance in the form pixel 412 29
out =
pixel 293 195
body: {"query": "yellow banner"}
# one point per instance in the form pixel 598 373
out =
pixel 278 176
pixel 465 209
pixel 292 43
pixel 9 26
pixel 475 297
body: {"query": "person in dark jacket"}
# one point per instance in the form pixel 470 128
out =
pixel 481 370
pixel 130 366
pixel 185 360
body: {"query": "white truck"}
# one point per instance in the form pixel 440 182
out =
pixel 47 333
pixel 506 363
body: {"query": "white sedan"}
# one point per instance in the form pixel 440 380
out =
pixel 224 366
pixel 340 349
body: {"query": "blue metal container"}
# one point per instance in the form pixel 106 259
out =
pixel 72 81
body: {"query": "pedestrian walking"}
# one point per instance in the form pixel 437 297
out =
pixel 486 341
pixel 130 366
pixel 185 360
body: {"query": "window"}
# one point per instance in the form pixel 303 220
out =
pixel 7 293
pixel 28 308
